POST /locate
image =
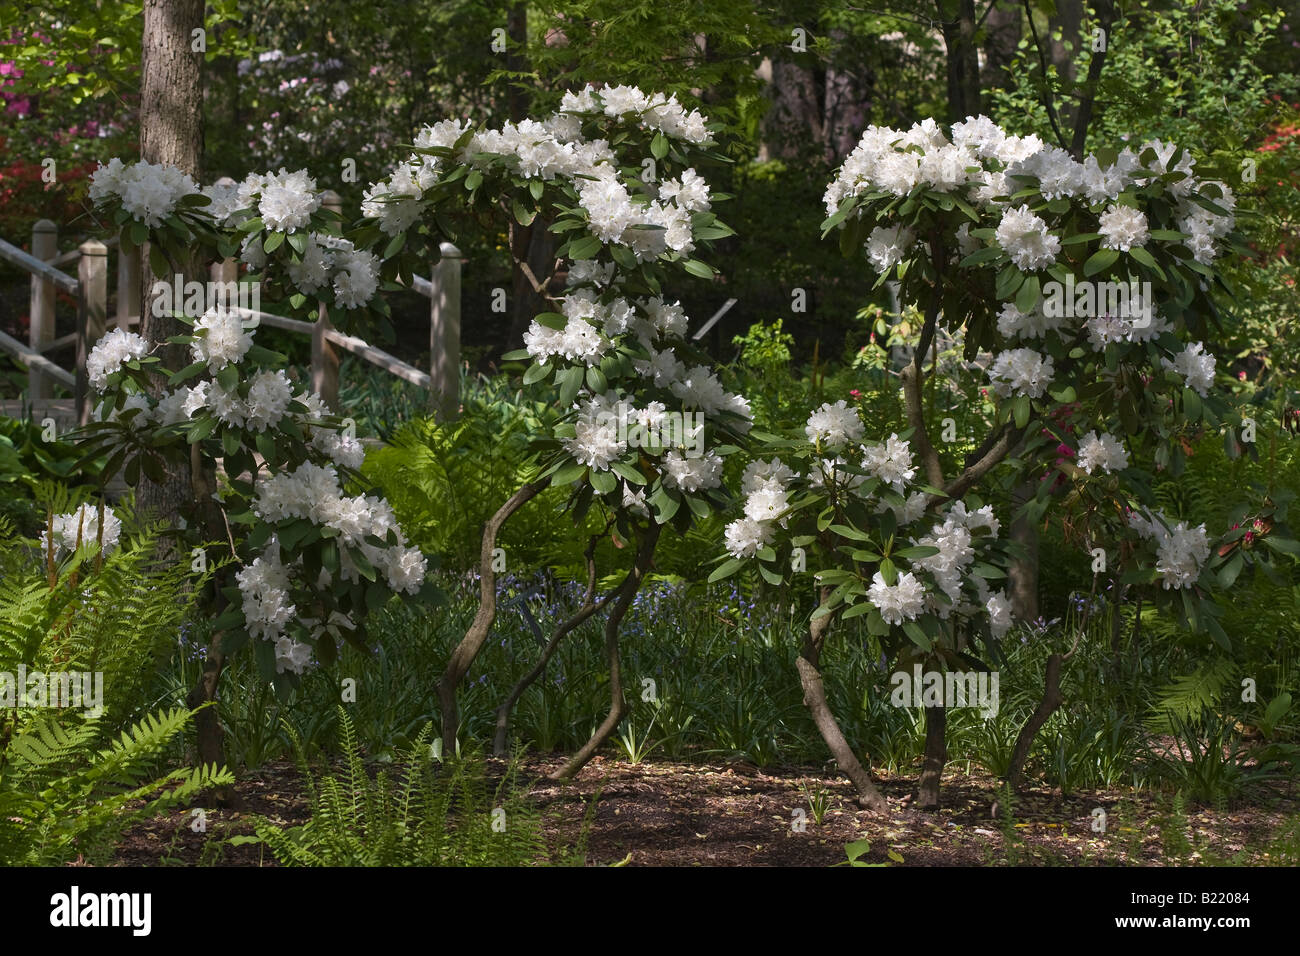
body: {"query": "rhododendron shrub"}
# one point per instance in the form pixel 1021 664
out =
pixel 647 423
pixel 1085 292
pixel 309 551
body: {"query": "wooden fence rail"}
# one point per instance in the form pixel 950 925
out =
pixel 90 288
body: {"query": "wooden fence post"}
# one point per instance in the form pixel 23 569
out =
pixel 45 246
pixel 227 270
pixel 128 286
pixel 324 357
pixel 444 334
pixel 92 316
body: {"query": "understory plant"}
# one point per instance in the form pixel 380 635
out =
pixel 426 810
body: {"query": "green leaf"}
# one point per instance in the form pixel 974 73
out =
pixel 628 473
pixel 273 241
pixel 568 473
pixel 726 569
pixel 537 373
pixel 659 146
pixel 917 635
pixel 603 481
pixel 1022 410
pixel 1027 297
pixel 584 247
pixel 1099 261
pixel 158 262
pixel 697 268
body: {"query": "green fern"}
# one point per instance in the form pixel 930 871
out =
pixel 60 798
pixel 1187 699
pixel 416 815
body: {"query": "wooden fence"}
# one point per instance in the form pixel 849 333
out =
pixel 90 289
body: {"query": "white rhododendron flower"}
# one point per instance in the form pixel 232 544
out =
pixel 1027 240
pixel 890 461
pixel 999 611
pixel 285 200
pixel 1196 366
pixel 1034 324
pixel 834 425
pixel 1122 228
pixel 110 352
pixel 221 339
pixel 1181 550
pixel 1021 372
pixel 900 602
pixel 148 191
pixel 887 246
pixel 745 536
pixel 692 474
pixel 1102 452
pixel 765 474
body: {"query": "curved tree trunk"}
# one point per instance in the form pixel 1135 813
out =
pixel 1046 707
pixel 814 698
pixel 617 703
pixel 589 607
pixel 465 652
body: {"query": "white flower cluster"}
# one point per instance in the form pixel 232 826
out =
pixel 653 111
pixel 82 527
pixel 326 261
pixel 1181 550
pixel 269 395
pixel 1122 228
pixel 1196 366
pixel 555 148
pixel 148 191
pixel 596 442
pixel 225 204
pixel 834 425
pixel 1025 238
pixel 220 339
pixel 1102 452
pixel 313 492
pixel 284 200
pixel 1034 324
pixel 764 484
pixel 956 552
pixel 890 461
pixel 769 487
pixel 110 352
pixel 1021 372
pixel 898 602
pixel 981 159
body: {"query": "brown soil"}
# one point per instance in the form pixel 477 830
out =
pixel 673 814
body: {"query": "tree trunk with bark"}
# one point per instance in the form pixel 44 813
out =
pixel 1047 706
pixel 814 698
pixel 465 652
pixel 618 707
pixel 936 756
pixel 958 27
pixel 171 131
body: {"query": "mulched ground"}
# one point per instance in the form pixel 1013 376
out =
pixel 674 814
